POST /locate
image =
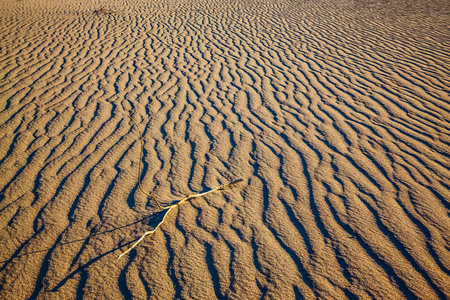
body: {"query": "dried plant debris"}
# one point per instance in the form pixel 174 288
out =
pixel 166 209
pixel 103 11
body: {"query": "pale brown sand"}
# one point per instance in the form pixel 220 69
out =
pixel 335 114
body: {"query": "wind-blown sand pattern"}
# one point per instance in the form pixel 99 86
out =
pixel 335 113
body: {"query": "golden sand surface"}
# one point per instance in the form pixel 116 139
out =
pixel 334 113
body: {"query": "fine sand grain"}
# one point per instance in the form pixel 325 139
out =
pixel 335 113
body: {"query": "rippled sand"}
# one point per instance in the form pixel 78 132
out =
pixel 335 113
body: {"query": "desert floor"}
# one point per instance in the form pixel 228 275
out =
pixel 334 113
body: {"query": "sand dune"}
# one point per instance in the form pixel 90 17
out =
pixel 335 113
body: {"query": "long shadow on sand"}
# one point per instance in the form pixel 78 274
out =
pixel 151 221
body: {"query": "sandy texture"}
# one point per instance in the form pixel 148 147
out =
pixel 335 113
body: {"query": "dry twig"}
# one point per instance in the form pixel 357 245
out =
pixel 167 208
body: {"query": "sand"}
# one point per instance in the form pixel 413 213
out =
pixel 334 113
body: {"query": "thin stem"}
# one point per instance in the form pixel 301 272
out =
pixel 140 162
pixel 168 208
pixel 146 233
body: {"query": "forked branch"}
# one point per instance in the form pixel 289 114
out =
pixel 167 208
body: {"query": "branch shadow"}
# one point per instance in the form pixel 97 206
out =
pixel 85 266
pixel 154 218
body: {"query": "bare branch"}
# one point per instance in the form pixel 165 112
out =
pixel 168 208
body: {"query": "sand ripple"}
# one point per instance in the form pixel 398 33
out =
pixel 336 114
